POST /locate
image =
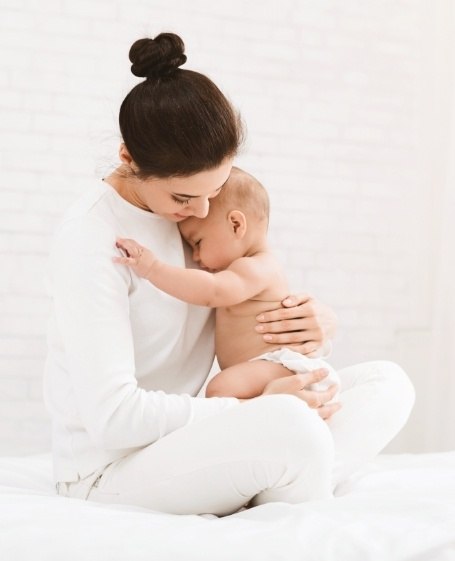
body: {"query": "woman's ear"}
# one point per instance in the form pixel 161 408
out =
pixel 237 223
pixel 125 157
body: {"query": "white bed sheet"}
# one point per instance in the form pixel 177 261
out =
pixel 397 508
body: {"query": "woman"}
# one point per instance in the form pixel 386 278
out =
pixel 126 361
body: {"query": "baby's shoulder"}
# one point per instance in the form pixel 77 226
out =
pixel 263 259
pixel 277 284
pixel 270 264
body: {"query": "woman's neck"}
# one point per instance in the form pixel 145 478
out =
pixel 122 181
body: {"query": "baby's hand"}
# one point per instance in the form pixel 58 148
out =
pixel 139 258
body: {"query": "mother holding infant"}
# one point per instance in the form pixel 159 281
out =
pixel 126 361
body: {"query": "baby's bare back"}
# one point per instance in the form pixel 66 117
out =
pixel 236 338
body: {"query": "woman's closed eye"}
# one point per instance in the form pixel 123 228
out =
pixel 181 201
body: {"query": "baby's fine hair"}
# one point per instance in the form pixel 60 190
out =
pixel 244 192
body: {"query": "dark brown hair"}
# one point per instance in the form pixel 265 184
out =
pixel 176 122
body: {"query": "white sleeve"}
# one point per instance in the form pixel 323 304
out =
pixel 92 312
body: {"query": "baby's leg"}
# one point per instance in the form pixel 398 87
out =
pixel 245 380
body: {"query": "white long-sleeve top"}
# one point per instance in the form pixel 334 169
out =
pixel 125 360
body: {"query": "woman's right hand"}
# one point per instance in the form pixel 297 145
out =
pixel 296 384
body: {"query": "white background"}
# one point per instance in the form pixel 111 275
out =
pixel 348 105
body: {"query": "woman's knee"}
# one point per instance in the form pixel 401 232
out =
pixel 392 387
pixel 396 381
pixel 285 410
pixel 296 430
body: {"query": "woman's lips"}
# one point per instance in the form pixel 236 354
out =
pixel 207 269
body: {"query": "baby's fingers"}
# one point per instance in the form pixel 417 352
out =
pixel 129 246
pixel 121 243
pixel 130 261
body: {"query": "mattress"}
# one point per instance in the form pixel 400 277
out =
pixel 396 508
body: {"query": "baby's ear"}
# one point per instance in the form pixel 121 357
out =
pixel 237 223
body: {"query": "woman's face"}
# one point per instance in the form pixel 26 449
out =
pixel 177 198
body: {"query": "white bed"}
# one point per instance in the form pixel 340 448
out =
pixel 397 508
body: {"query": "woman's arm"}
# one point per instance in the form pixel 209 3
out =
pixel 303 322
pixel 91 302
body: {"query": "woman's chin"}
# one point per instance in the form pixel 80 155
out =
pixel 208 270
pixel 175 217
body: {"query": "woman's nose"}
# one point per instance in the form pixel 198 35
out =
pixel 201 207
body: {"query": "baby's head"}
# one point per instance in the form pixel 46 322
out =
pixel 243 192
pixel 235 227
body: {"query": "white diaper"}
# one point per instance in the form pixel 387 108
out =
pixel 300 364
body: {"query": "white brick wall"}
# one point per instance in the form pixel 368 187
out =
pixel 331 93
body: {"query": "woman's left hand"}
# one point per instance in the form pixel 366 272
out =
pixel 303 323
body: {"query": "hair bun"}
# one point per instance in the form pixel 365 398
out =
pixel 153 58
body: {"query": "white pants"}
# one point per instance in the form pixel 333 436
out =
pixel 271 448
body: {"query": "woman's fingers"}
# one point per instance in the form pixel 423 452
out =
pixel 302 322
pixel 316 398
pixel 291 331
pixel 299 324
pixel 297 384
pixel 306 310
pixel 326 411
pixel 310 348
pixel 312 315
pixel 295 338
pixel 297 299
pixel 312 377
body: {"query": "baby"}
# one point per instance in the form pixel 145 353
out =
pixel 241 278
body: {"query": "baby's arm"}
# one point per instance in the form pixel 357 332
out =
pixel 244 278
